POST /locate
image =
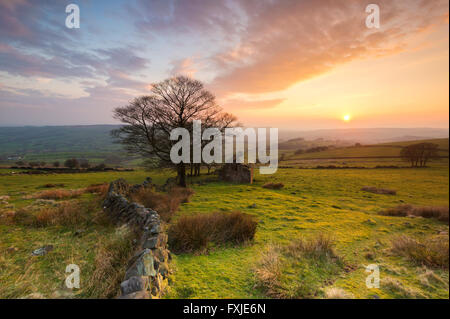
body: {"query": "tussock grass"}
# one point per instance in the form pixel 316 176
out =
pixel 52 185
pixel 316 260
pixel 100 189
pixel 273 185
pixel 375 190
pixel 165 204
pixel 399 290
pixel 440 213
pixel 431 252
pixel 194 233
pixel 68 214
pixel 59 194
pixel 337 293
pixel 111 259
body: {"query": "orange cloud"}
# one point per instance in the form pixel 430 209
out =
pixel 291 41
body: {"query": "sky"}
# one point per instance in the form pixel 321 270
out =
pixel 292 64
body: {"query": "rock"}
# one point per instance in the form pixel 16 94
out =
pixel 134 284
pixel 252 205
pixel 155 229
pixel 150 243
pixel 42 251
pixel 444 233
pixel 143 266
pixel 235 173
pixel 371 222
pixel 136 295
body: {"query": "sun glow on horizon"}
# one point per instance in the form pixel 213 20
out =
pixel 347 117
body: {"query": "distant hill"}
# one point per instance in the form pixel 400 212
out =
pixel 368 135
pixel 377 150
pixel 50 143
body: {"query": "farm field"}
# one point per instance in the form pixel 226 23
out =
pixel 312 202
pixel 384 154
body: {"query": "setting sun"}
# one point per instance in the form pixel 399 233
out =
pixel 346 117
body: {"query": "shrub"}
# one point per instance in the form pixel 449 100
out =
pixel 273 185
pixel 375 190
pixel 432 252
pixel 165 204
pixel 194 233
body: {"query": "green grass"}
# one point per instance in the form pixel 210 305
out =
pixel 376 150
pixel 312 202
pixel 22 274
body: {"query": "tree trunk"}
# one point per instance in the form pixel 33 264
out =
pixel 181 175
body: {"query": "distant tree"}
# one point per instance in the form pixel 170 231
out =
pixel 299 151
pixel 173 103
pixel 357 144
pixel 100 166
pixel 20 163
pixel 84 163
pixel 33 164
pixel 56 164
pixel 72 163
pixel 42 164
pixel 419 154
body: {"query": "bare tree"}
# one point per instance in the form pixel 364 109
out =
pixel 419 154
pixel 174 103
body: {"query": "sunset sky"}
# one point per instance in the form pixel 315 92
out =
pixel 290 64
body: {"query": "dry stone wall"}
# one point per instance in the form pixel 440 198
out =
pixel 148 270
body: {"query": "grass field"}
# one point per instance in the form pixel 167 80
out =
pixel 311 203
pixel 365 155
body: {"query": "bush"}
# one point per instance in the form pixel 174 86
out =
pixel 436 212
pixel 273 185
pixel 165 204
pixel 429 252
pixel 194 233
pixel 384 191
